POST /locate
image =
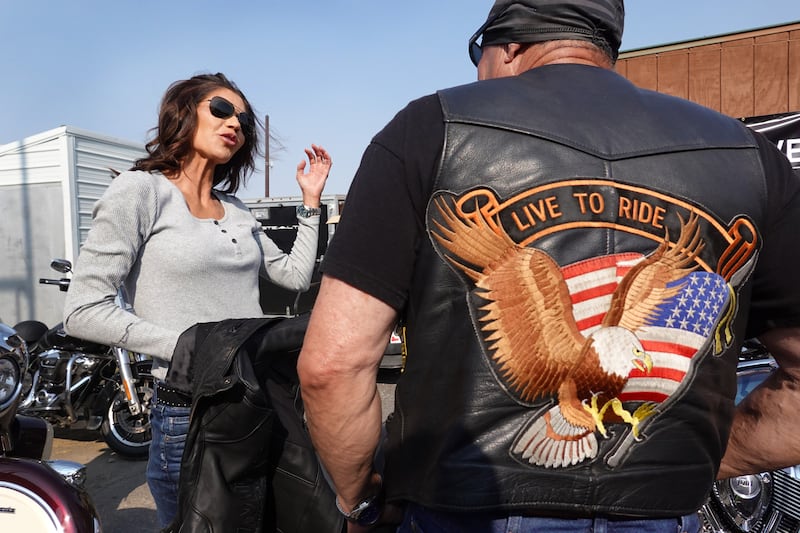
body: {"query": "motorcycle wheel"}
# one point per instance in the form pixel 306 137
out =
pixel 124 433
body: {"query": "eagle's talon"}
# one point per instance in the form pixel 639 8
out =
pixel 645 410
pixel 641 413
pixel 597 414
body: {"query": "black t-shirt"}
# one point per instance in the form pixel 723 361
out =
pixel 383 219
pixel 775 299
pixel 382 224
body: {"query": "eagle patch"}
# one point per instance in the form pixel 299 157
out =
pixel 607 340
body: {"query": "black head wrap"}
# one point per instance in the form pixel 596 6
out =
pixel 531 21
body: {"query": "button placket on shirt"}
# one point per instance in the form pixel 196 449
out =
pixel 233 239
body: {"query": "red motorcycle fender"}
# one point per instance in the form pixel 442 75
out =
pixel 70 506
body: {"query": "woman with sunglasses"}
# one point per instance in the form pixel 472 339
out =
pixel 185 249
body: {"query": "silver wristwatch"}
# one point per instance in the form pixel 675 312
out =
pixel 305 212
pixel 366 512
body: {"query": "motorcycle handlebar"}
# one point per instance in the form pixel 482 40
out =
pixel 62 283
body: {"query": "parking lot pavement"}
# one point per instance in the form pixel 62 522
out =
pixel 117 485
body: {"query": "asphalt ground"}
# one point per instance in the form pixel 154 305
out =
pixel 117 485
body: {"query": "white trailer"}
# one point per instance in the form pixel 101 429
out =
pixel 49 183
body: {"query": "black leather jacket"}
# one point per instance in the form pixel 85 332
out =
pixel 248 465
pixel 573 213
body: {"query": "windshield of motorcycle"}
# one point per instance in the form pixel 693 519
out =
pixel 5 333
pixel 749 380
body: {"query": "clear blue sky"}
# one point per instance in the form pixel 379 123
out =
pixel 328 72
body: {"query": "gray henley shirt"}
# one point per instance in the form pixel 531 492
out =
pixel 177 269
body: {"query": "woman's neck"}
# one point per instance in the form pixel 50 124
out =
pixel 196 180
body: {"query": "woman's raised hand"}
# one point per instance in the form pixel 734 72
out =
pixel 313 182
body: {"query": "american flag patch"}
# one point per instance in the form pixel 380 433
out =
pixel 682 325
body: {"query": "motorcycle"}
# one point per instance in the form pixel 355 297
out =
pixel 73 380
pixel 760 503
pixel 35 494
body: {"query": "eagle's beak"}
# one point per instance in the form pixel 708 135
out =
pixel 642 361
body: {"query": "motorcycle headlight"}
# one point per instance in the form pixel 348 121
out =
pixel 744 499
pixel 9 380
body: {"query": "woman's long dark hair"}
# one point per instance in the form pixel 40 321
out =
pixel 177 121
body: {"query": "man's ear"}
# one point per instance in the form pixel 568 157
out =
pixel 511 51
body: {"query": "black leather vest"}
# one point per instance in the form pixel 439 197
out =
pixel 576 315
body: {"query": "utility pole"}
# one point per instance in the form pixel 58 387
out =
pixel 266 156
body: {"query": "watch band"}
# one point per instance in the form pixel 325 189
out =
pixel 306 212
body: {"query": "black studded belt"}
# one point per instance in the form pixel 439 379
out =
pixel 173 397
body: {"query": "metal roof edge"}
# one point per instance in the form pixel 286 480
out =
pixel 78 132
pixel 712 39
pixel 45 136
pixel 34 139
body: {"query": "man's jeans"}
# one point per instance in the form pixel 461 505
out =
pixel 420 520
pixel 170 425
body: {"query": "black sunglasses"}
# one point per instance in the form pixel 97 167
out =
pixel 221 108
pixel 475 49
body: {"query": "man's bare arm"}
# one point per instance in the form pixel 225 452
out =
pixel 766 427
pixel 338 367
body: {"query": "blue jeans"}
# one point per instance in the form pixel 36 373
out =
pixel 170 425
pixel 420 520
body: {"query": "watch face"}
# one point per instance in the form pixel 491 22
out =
pixel 369 514
pixel 365 513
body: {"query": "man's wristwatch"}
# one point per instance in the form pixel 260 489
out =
pixel 366 512
pixel 306 212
